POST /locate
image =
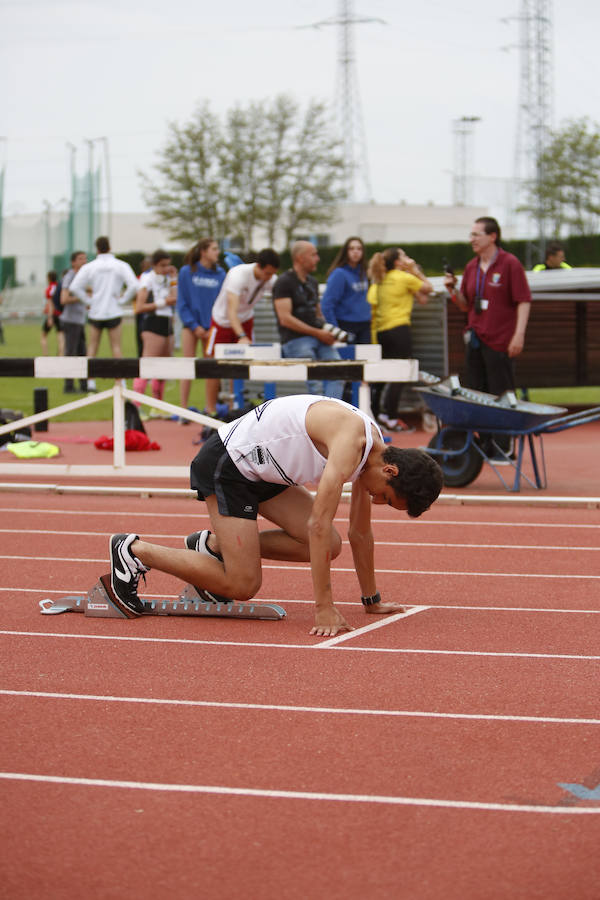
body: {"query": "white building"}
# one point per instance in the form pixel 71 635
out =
pixel 35 239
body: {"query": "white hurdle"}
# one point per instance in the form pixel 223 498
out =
pixel 262 363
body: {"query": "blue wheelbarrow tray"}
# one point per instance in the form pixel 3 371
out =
pixel 475 410
pixel 464 415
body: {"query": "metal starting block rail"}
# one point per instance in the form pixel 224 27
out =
pixel 97 602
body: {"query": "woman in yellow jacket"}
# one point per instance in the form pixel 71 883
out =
pixel 397 281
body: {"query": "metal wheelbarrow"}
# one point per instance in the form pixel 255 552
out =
pixel 469 422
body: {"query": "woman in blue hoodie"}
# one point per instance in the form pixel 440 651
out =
pixel 344 302
pixel 200 281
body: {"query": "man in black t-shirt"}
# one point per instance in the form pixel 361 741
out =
pixel 298 310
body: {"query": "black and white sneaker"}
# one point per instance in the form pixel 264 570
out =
pixel 198 541
pixel 125 571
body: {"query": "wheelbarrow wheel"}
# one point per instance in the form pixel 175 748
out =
pixel 458 470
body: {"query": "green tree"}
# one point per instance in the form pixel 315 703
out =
pixel 314 182
pixel 266 165
pixel 185 193
pixel 567 193
pixel 241 158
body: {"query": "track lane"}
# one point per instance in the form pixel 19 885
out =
pixel 193 845
pixel 427 758
pixel 385 852
pixel 283 675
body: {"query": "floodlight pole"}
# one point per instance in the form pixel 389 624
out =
pixel 90 144
pixel 71 239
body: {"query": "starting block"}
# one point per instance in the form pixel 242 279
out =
pixel 100 602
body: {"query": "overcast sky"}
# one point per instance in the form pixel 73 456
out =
pixel 75 69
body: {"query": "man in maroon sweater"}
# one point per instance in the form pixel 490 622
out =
pixel 495 294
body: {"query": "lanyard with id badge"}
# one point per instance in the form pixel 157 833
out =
pixel 480 303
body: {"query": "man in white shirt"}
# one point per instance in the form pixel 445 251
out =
pixel 112 284
pixel 233 310
pixel 259 464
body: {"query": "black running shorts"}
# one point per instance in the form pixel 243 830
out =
pixel 105 323
pixel 161 325
pixel 213 472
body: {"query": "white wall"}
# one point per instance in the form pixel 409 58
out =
pixel 34 238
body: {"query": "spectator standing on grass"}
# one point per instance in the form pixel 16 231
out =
pixel 156 301
pixel 495 295
pixel 299 316
pixel 145 266
pixel 233 310
pixel 112 284
pixel 397 280
pixel 73 319
pixel 554 258
pixel 51 314
pixel 200 280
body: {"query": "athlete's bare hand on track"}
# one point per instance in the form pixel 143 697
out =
pixel 328 622
pixel 385 609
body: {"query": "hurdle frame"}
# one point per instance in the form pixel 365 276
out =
pixel 240 364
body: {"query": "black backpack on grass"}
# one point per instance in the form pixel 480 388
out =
pixel 10 437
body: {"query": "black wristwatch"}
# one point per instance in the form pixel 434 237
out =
pixel 371 601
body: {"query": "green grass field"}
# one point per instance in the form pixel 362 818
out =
pixel 23 340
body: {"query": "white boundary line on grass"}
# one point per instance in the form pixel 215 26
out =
pixel 221 790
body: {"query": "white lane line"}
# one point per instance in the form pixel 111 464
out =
pixel 273 646
pixel 420 523
pixel 443 545
pixel 192 514
pixel 101 534
pixel 309 602
pixel 341 569
pixel 328 710
pixel 437 572
pixel 372 626
pixel 468 653
pixel 439 544
pixel 300 795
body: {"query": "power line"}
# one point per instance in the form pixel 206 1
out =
pixel 536 101
pixel 347 103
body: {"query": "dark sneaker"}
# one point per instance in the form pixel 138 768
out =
pixel 198 541
pixel 125 571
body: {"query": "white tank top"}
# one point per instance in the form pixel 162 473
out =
pixel 271 444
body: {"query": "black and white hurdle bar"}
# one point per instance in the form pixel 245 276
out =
pixel 172 368
pixel 176 368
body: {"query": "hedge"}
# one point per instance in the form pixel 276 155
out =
pixel 580 251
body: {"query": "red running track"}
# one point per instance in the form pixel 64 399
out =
pixel 422 758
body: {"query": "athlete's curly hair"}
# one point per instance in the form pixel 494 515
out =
pixel 419 479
